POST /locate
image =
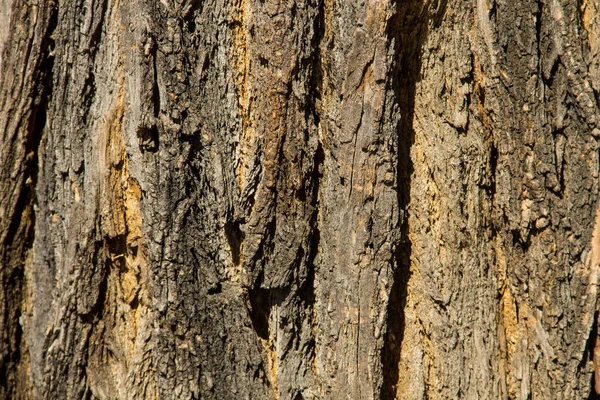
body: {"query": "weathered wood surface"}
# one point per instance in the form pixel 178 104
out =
pixel 300 199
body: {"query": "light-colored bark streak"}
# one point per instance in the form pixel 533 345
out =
pixel 127 314
pixel 128 277
pixel 242 67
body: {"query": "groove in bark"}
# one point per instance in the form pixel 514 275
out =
pixel 591 354
pixel 407 30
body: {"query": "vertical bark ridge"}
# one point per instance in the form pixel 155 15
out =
pixel 245 163
pixel 284 88
pixel 359 142
pixel 120 318
pixel 545 192
pixel 588 18
pixel 26 95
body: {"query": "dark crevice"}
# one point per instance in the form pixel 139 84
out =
pixel 261 302
pixel 493 169
pixel 263 62
pixel 194 161
pixel 538 30
pixel 36 126
pixel 490 185
pixel 307 287
pixel 147 133
pixel 315 234
pixel 306 292
pixel 548 76
pixel 189 14
pixel 316 83
pixel 148 138
pixel 102 266
pixel 155 89
pixel 260 308
pixel 265 244
pixel 96 34
pixel 98 308
pixel 522 238
pixel 117 245
pixel 235 237
pixel 22 209
pixel 561 177
pixel 97 311
pixel 88 91
pixel 87 95
pixel 589 356
pixel 407 30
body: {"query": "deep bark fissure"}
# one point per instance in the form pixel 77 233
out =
pixel 89 88
pixel 235 238
pixel 408 30
pixel 306 291
pixel 35 128
pixel 102 262
pixel 490 185
pixel 260 307
pixel 538 33
pixel 147 133
pixel 589 356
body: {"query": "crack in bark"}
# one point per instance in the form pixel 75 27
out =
pixel 592 353
pixel 408 30
pixel 148 135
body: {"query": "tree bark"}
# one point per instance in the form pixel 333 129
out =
pixel 300 199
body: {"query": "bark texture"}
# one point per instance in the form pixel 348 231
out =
pixel 299 199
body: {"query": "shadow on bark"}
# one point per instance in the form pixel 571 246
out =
pixel 590 356
pixel 408 30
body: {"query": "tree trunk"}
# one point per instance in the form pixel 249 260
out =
pixel 300 199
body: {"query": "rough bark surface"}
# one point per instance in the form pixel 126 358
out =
pixel 299 199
